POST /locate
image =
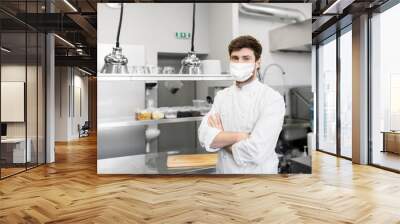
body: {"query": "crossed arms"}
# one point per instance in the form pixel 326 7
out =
pixel 245 148
pixel 224 139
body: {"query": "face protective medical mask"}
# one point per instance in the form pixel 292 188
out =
pixel 241 71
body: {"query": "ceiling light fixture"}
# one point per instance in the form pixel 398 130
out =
pixel 64 40
pixel 79 51
pixel 70 5
pixel 84 71
pixel 115 62
pixel 114 5
pixel 337 7
pixel 5 50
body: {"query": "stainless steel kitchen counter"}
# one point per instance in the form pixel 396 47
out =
pixel 151 163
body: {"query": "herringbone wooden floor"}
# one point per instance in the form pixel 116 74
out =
pixel 70 191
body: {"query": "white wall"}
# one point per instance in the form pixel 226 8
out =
pixel 17 72
pixel 80 83
pixel 66 121
pixel 223 23
pixel 33 125
pixel 222 28
pixel 61 103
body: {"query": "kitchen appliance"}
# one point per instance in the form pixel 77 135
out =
pixel 301 99
pixel 116 62
pixel 263 78
pixel 191 63
pixel 173 86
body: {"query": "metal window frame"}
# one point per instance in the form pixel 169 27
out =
pixel 334 37
pixel 386 6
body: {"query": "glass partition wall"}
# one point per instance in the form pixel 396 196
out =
pixel 22 77
pixel 334 83
pixel 345 62
pixel 334 89
pixel 326 110
pixel 385 89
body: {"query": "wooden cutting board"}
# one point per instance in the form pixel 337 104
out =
pixel 193 160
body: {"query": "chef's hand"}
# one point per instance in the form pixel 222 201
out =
pixel 240 136
pixel 214 120
pixel 228 148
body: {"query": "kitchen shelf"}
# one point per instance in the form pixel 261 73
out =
pixel 164 77
pixel 130 121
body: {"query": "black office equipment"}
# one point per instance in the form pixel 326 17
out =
pixel 3 129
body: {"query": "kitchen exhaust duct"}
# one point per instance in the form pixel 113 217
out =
pixel 292 15
pixel 293 37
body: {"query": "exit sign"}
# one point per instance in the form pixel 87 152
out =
pixel 182 35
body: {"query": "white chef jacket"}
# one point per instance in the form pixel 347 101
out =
pixel 254 108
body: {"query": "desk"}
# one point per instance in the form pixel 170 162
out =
pixel 17 150
pixel 391 141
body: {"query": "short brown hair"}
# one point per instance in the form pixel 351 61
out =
pixel 246 41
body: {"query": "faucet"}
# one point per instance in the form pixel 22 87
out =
pixel 268 67
pixel 283 77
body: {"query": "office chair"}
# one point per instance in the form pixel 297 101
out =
pixel 84 130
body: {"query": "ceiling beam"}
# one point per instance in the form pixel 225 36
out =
pixel 83 61
pixel 86 27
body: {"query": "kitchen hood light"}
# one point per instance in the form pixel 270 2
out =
pixel 64 40
pixel 116 62
pixel 5 50
pixel 191 63
pixel 70 5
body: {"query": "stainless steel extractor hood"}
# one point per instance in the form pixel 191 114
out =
pixel 294 37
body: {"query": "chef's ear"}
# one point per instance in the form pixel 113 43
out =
pixel 258 62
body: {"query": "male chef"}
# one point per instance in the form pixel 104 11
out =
pixel 246 118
